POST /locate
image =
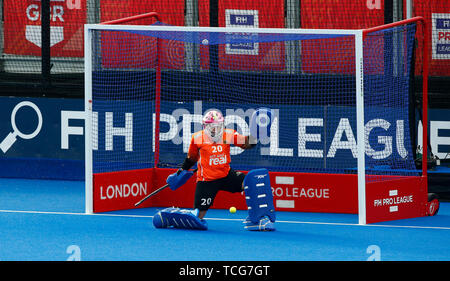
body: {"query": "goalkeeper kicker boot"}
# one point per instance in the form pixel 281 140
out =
pixel 179 218
pixel 264 224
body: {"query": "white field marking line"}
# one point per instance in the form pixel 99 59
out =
pixel 74 214
pixel 347 224
pixel 224 219
pixel 369 225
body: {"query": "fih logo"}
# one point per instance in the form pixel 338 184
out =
pixel 11 138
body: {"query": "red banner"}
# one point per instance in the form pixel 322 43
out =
pixel 246 56
pixel 22 27
pixel 292 192
pixel 297 192
pixel 304 192
pixel 121 190
pixel 336 55
pixel 437 15
pixel 390 199
pixel 170 11
pixel 398 198
pixel 341 14
pixel 127 50
pixel 270 13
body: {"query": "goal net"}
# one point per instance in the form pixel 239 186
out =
pixel 343 119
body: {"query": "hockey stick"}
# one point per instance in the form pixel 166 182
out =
pixel 151 194
pixel 155 192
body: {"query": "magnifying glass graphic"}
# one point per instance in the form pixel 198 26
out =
pixel 11 138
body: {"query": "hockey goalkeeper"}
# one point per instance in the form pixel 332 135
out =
pixel 210 150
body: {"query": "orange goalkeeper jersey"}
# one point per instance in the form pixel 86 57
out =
pixel 213 159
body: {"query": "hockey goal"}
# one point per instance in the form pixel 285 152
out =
pixel 342 138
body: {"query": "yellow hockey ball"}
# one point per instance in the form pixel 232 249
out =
pixel 233 210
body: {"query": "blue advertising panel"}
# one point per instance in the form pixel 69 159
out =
pixel 304 138
pixel 44 137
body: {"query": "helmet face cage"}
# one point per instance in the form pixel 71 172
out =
pixel 213 125
pixel 214 131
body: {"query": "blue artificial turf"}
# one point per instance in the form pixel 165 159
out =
pixel 44 220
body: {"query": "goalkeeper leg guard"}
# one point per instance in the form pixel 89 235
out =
pixel 179 218
pixel 259 198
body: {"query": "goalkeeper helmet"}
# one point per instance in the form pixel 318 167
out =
pixel 213 125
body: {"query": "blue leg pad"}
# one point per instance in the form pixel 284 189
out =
pixel 159 222
pixel 258 195
pixel 179 218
